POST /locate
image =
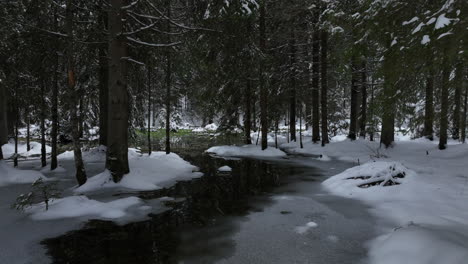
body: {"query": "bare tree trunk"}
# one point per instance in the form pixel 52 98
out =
pixel 444 108
pixel 103 84
pixel 80 171
pixel 28 130
pixel 363 125
pixel 263 88
pixel 149 111
pixel 15 160
pixel 276 132
pixel 118 112
pixel 354 98
pixel 465 108
pixel 3 118
pixel 372 122
pixel 315 77
pixel 54 101
pixel 457 98
pixel 292 95
pixel 324 91
pixel 388 116
pixel 168 82
pixel 429 105
pixel 247 121
pixel 300 126
pixel 43 116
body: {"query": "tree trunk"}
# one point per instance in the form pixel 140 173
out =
pixel 15 160
pixel 103 84
pixel 457 97
pixel 429 107
pixel 3 116
pixel 118 111
pixel 168 82
pixel 80 171
pixel 149 111
pixel 263 88
pixel 354 98
pixel 103 97
pixel 248 114
pixel 363 124
pixel 371 113
pixel 324 91
pixel 292 95
pixel 28 130
pixel 388 115
pixel 54 130
pixel 465 108
pixel 43 116
pixel 444 102
pixel 300 126
pixel 315 77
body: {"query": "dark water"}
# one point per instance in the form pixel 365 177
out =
pixel 204 202
pixel 202 224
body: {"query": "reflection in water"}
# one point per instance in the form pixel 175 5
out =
pixel 159 240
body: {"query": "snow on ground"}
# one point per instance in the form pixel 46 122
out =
pixel 246 151
pixel 10 175
pixel 422 218
pixel 225 169
pixel 76 206
pixel 146 173
pixel 97 154
pixel 305 228
pixel 9 149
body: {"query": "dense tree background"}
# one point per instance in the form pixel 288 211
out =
pixel 366 68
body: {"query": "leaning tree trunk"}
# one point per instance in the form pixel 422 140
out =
pixel 354 99
pixel 248 114
pixel 363 121
pixel 429 107
pixel 315 78
pixel 444 108
pixel 324 90
pixel 263 87
pixel 168 81
pixel 43 116
pixel 118 105
pixel 73 97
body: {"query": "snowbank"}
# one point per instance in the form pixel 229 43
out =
pixel 77 206
pixel 225 169
pixel 10 175
pixel 9 149
pixel 245 151
pixel 211 127
pixel 362 180
pixel 146 173
pixel 432 196
pixel 97 154
pixel 420 245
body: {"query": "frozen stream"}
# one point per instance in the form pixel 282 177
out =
pixel 271 211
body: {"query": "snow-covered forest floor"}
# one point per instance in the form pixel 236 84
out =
pixel 423 217
pixel 417 193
